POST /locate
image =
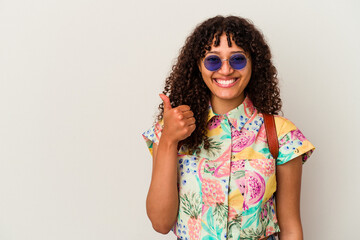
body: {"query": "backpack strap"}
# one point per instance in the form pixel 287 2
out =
pixel 271 135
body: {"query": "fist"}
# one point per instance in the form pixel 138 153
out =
pixel 179 122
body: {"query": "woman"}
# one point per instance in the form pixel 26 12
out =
pixel 213 174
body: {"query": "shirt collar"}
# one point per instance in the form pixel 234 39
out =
pixel 237 116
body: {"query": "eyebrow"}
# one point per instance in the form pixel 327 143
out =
pixel 216 52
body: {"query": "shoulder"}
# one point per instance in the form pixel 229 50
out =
pixel 292 142
pixel 283 125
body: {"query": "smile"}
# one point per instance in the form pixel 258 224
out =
pixel 225 83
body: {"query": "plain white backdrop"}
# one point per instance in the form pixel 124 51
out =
pixel 79 83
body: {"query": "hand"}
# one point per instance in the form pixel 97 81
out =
pixel 179 122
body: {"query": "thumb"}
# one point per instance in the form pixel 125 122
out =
pixel 166 101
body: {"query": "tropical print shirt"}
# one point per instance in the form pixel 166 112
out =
pixel 227 192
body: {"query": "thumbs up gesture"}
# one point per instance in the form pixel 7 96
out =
pixel 179 122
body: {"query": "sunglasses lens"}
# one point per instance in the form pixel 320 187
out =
pixel 237 61
pixel 212 63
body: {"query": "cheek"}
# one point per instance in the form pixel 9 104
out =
pixel 247 74
pixel 249 70
pixel 206 75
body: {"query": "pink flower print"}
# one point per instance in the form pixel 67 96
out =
pixel 264 166
pixel 242 139
pixel 212 192
pixel 296 134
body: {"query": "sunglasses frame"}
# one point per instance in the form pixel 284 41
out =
pixel 228 59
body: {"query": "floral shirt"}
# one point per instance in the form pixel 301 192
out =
pixel 227 192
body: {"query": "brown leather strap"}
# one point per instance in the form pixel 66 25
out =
pixel 271 135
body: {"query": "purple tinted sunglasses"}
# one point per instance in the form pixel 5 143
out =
pixel 213 62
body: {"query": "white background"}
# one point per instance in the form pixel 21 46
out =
pixel 79 83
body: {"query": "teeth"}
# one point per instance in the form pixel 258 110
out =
pixel 225 82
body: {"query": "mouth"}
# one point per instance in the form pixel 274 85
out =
pixel 225 83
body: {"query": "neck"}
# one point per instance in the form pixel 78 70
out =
pixel 222 106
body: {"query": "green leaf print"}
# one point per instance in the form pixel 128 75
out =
pixel 286 138
pixel 285 156
pixel 218 231
pixel 264 223
pixel 234 225
pixel 199 183
pixel 191 204
pixel 226 129
pixel 250 233
pixel 209 227
pixel 221 213
pixel 215 147
pixel 208 169
pixel 225 137
pixel 252 209
pixel 210 217
pixel 265 151
pixel 238 174
pixel 209 237
pixel 249 221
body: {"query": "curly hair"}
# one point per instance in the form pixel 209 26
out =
pixel 185 85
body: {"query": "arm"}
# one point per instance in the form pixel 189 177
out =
pixel 162 201
pixel 288 177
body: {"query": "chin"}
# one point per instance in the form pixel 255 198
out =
pixel 227 96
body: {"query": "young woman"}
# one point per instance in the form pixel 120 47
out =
pixel 213 174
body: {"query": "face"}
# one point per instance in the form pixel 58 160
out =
pixel 226 84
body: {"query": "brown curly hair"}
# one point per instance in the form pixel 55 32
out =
pixel 185 85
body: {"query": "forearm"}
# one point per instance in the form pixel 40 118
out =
pixel 162 200
pixel 289 219
pixel 292 232
pixel 288 199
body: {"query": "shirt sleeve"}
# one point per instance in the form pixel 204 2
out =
pixel 292 143
pixel 152 135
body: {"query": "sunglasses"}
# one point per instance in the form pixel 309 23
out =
pixel 213 62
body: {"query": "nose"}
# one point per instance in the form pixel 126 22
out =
pixel 226 69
